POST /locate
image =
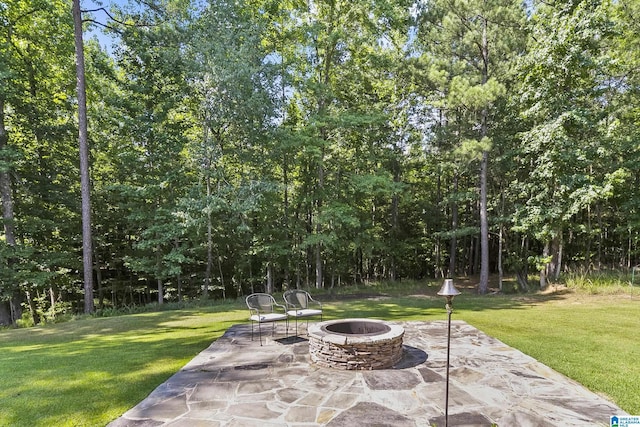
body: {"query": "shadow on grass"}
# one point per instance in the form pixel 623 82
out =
pixel 427 305
pixel 90 371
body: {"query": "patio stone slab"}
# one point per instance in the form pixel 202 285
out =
pixel 237 382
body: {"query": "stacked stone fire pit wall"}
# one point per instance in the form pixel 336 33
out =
pixel 380 349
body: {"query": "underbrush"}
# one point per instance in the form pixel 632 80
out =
pixel 609 282
pixel 391 288
pixel 605 282
pixel 168 306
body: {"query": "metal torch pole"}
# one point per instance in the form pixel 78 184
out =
pixel 449 307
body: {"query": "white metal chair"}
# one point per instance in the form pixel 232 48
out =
pixel 299 303
pixel 263 308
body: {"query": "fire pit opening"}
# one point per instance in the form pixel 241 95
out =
pixel 355 344
pixel 357 327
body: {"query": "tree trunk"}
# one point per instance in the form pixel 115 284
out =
pixel 99 282
pixel 437 265
pixel 160 282
pixel 223 285
pixel 557 257
pixel 484 221
pixel 629 248
pixel 160 291
pixel 524 255
pixel 85 184
pixel 52 300
pixel 484 227
pixel 500 237
pixel 285 175
pixel 587 252
pixel 285 215
pixel 500 272
pixel 453 244
pixel 10 311
pixel 209 266
pixel 5 314
pixel 269 278
pixel 359 266
pixel 176 245
pixel 544 269
pixel 523 283
pixel 395 207
pixel 600 236
pixel 324 76
pixel 5 186
pixel 319 273
pixel 553 268
pixel 319 266
pixel 32 308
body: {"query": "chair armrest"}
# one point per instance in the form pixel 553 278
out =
pixel 290 305
pixel 314 301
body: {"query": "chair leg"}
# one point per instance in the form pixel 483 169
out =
pixel 260 332
pixel 252 330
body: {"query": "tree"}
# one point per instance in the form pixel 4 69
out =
pixel 469 45
pixel 564 79
pixel 231 80
pixel 37 47
pixel 333 57
pixel 85 181
pixel 9 309
pixel 152 143
pixel 623 88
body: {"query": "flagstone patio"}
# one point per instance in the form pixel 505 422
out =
pixel 237 382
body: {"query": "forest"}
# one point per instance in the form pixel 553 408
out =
pixel 258 145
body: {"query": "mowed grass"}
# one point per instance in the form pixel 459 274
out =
pixel 90 371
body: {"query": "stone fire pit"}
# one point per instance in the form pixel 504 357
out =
pixel 355 344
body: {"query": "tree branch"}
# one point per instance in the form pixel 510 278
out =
pixel 111 17
pixel 152 6
pixel 106 12
pixel 107 26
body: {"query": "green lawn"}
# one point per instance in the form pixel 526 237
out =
pixel 90 371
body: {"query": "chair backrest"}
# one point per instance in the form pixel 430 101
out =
pixel 262 302
pixel 297 298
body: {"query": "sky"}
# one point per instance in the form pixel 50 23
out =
pixel 95 31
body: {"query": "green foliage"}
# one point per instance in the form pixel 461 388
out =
pixel 250 145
